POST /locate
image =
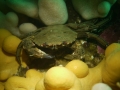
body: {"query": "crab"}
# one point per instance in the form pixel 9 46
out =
pixel 44 43
pixel 51 37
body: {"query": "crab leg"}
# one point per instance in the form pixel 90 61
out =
pixel 33 51
pixel 18 52
pixel 94 37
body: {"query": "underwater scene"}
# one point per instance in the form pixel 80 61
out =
pixel 59 44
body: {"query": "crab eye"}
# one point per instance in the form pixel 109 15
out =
pixel 44 44
pixel 44 34
pixel 64 43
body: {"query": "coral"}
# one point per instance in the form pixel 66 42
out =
pixel 22 83
pixel 26 28
pixel 79 68
pixel 8 64
pixel 9 22
pixel 107 71
pixel 111 70
pixel 27 7
pixel 8 46
pixel 90 9
pixel 67 80
pixel 12 18
pixel 52 12
pixel 98 74
pixel 1 86
pixel 111 48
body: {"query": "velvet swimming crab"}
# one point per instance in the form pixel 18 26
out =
pixel 46 42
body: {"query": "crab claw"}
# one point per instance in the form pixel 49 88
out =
pixel 35 52
pixel 47 56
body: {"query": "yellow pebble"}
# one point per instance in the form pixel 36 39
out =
pixel 79 68
pixel 11 47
